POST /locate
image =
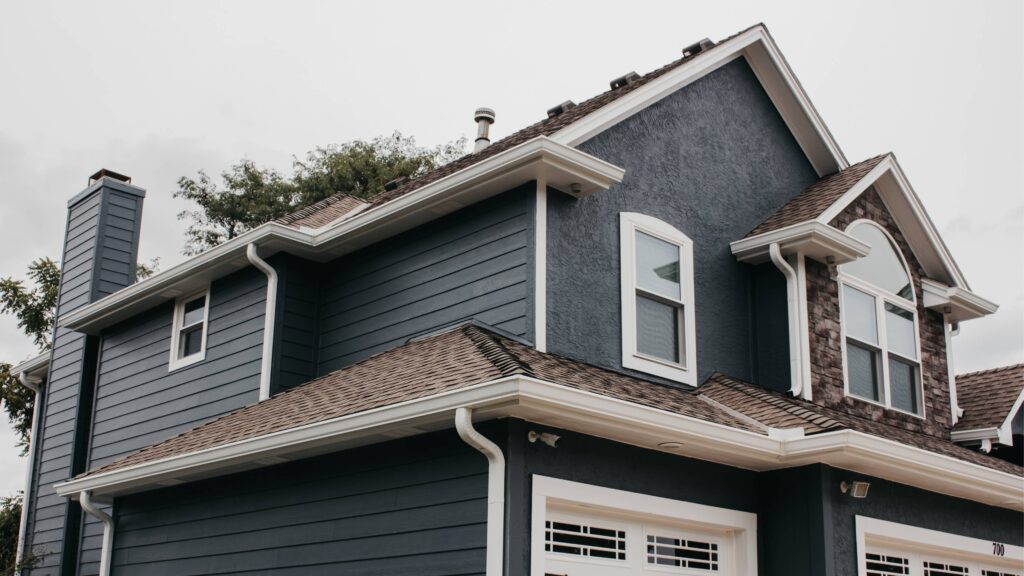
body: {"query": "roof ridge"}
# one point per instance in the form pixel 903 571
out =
pixel 785 404
pixel 992 370
pixel 491 346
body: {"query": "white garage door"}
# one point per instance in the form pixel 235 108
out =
pixel 887 561
pixel 579 542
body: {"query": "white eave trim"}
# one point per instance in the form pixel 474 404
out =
pixel 585 412
pixel 957 304
pixel 771 69
pixel 814 240
pixel 34 367
pixel 562 167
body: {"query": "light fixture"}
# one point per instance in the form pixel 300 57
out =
pixel 545 437
pixel 856 489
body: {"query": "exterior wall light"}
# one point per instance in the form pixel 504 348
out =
pixel 545 437
pixel 855 489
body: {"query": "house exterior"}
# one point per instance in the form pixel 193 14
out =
pixel 668 330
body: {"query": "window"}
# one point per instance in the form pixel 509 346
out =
pixel 585 529
pixel 879 319
pixel 188 340
pixel 891 549
pixel 658 330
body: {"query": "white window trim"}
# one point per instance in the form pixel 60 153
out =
pixel 548 491
pixel 881 298
pixel 629 224
pixel 176 326
pixel 885 534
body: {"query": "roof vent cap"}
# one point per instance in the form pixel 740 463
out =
pixel 395 183
pixel 624 80
pixel 697 48
pixel 104 173
pixel 483 117
pixel 567 105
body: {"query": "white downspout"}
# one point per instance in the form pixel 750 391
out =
pixel 34 386
pixel 954 404
pixel 252 253
pixel 85 499
pixel 495 489
pixel 793 301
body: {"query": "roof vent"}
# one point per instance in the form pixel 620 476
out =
pixel 395 183
pixel 567 105
pixel 697 48
pixel 624 80
pixel 483 117
pixel 104 173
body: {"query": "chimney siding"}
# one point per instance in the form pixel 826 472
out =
pixel 100 250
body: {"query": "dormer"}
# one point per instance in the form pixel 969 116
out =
pixel 874 297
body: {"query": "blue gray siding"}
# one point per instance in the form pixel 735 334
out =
pixel 139 402
pixel 296 334
pixel 713 160
pixel 414 506
pixel 470 264
pixel 100 249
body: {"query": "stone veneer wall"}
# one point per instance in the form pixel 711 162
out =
pixel 826 337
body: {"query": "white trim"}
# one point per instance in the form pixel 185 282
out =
pixel 564 168
pixel 174 362
pixel 805 327
pixel 34 367
pixel 956 304
pixel 771 69
pixel 495 489
pixel 794 327
pixel 814 240
pixel 881 298
pixel 540 270
pixel 269 315
pixel 741 526
pixel 586 412
pixel 686 372
pixel 874 532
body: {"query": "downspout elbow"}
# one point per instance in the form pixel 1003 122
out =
pixel 85 500
pixel 495 488
pixel 795 357
pixel 269 317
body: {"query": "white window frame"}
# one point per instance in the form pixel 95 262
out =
pixel 629 224
pixel 882 535
pixel 882 297
pixel 553 492
pixel 177 327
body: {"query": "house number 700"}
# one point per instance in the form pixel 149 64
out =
pixel 998 549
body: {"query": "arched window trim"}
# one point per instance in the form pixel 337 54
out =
pixel 686 371
pixel 883 297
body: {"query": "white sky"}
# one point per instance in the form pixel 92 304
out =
pixel 160 90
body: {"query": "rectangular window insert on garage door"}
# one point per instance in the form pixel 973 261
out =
pixel 593 531
pixel 891 549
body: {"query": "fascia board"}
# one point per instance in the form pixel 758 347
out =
pixel 813 239
pixel 35 366
pixel 772 70
pixel 909 465
pixel 974 435
pixel 559 164
pixel 958 304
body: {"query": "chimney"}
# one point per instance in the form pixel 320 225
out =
pixel 484 117
pixel 101 242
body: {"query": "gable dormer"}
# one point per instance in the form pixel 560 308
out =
pixel 875 297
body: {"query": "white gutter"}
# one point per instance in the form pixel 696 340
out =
pixel 85 499
pixel 252 252
pixel 35 386
pixel 495 488
pixel 796 360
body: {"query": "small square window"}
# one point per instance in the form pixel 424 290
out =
pixel 188 339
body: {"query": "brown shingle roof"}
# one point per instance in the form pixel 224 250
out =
pixel 817 197
pixel 781 411
pixel 323 212
pixel 452 360
pixel 545 127
pixel 987 396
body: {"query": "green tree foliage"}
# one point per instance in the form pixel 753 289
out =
pixel 10 522
pixel 248 195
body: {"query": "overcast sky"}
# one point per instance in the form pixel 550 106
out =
pixel 161 90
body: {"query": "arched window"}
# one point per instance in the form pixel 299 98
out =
pixel 879 319
pixel 657 298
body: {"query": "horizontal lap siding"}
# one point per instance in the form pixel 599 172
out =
pixel 140 403
pixel 411 506
pixel 295 348
pixel 468 265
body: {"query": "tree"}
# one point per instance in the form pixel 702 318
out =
pixel 249 195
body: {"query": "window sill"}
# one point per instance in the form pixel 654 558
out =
pixel 187 361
